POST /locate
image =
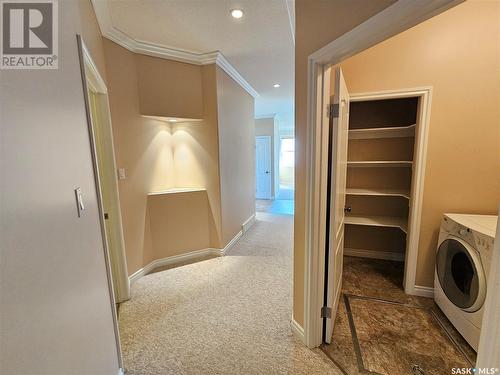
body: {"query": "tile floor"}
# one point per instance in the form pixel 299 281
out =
pixel 381 330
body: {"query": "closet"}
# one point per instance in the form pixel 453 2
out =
pixel 380 155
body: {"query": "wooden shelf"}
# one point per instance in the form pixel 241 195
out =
pixel 177 191
pixel 378 221
pixel 380 192
pixel 380 163
pixel 390 132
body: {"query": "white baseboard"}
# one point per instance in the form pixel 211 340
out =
pixel 175 259
pixel 248 223
pixel 297 329
pixel 230 244
pixel 373 254
pixel 192 255
pixel 423 291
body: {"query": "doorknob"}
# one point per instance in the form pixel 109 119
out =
pixel 106 216
pixel 347 209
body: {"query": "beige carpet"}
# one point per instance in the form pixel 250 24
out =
pixel 228 315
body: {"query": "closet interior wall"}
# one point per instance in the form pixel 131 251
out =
pixel 379 175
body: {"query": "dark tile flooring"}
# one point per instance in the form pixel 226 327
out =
pixel 381 330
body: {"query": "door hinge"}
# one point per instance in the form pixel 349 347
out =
pixel 333 110
pixel 326 312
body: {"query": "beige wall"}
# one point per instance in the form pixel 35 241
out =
pixel 157 155
pixel 169 88
pixel 265 126
pixel 457 53
pixel 178 222
pixel 317 23
pixel 236 154
pixel 215 154
pixel 55 302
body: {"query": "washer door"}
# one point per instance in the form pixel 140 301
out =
pixel 460 274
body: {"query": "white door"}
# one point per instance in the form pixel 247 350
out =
pixel 263 167
pixel 338 120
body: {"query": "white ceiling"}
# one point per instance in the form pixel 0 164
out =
pixel 260 45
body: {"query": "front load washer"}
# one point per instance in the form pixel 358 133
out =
pixel 462 263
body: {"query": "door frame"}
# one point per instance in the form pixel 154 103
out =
pixel 403 15
pixel 278 170
pixel 271 163
pixel 91 79
pixel 424 95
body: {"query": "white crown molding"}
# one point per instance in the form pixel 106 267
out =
pixel 150 49
pixel 233 73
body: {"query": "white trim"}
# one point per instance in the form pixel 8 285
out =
pixel 402 15
pixel 291 17
pixel 297 329
pixel 87 67
pixel 248 224
pixel 192 255
pixel 422 291
pixel 121 371
pixel 374 254
pixel 315 215
pixel 489 341
pixel 230 244
pixel 175 259
pixel 94 80
pixel 222 63
pixel 96 83
pixel 418 176
pixel 151 49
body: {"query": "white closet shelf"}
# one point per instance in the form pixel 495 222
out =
pixel 389 132
pixel 380 192
pixel 378 221
pixel 380 163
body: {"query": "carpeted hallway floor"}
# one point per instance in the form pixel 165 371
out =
pixel 228 315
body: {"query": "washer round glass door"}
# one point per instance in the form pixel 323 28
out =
pixel 460 274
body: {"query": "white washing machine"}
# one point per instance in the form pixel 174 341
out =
pixel 462 263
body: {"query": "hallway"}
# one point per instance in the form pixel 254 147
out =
pixel 227 315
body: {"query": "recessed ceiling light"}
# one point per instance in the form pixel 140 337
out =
pixel 172 120
pixel 276 85
pixel 237 13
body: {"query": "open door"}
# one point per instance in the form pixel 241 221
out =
pixel 337 118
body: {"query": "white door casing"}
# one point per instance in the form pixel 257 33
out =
pixel 263 178
pixel 92 81
pixel 338 121
pixel 403 15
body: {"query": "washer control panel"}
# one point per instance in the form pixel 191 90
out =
pixel 479 241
